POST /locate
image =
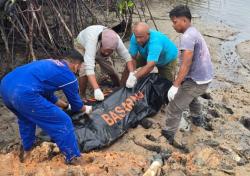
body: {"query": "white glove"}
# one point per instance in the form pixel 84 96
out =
pixel 88 109
pixel 98 94
pixel 68 107
pixel 131 81
pixel 155 70
pixel 171 93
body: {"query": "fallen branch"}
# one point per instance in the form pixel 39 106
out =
pixel 150 147
pixel 4 39
pixel 62 20
pixel 220 38
pixel 50 26
pixel 31 27
pixel 151 16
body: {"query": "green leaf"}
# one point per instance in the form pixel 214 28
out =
pixel 131 4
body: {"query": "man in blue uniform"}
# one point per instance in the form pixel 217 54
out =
pixel 28 92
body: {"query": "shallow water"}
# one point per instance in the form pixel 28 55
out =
pixel 235 13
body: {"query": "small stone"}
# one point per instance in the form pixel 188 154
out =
pixel 150 137
pixel 229 172
pixel 145 123
pixel 199 162
pixel 242 162
pixel 246 153
pixel 210 104
pixel 212 143
pixel 229 110
pixel 245 121
pixel 209 117
pixel 225 166
pixel 207 96
pixel 236 157
pixel 214 113
pixel 225 149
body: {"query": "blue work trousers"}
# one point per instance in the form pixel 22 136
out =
pixel 33 109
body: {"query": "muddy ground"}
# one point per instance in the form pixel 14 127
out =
pixel 223 151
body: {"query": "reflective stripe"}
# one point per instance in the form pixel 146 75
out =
pixel 68 83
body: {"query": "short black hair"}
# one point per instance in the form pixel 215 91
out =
pixel 180 11
pixel 73 55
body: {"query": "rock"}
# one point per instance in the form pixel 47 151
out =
pixel 224 148
pixel 245 121
pixel 206 157
pixel 242 162
pixel 44 152
pixel 236 157
pixel 229 110
pixel 214 113
pixel 229 172
pixel 165 154
pixel 150 137
pixel 146 123
pixel 225 166
pixel 212 143
pixel 210 104
pixel 199 162
pixel 209 117
pixel 201 121
pixel 223 108
pixel 227 150
pixel 246 154
pixel 207 96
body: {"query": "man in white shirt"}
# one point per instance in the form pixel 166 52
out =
pixel 96 43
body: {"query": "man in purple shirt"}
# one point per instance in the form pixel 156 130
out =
pixel 195 73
